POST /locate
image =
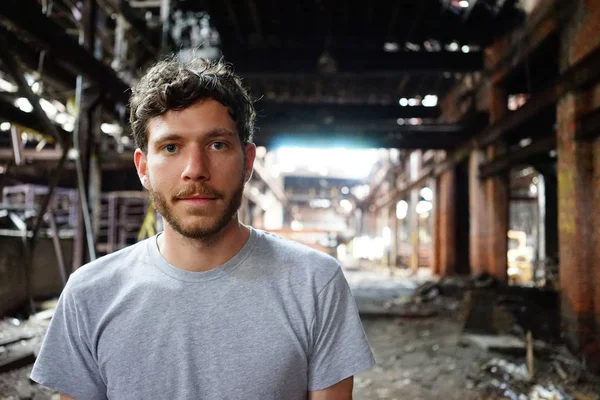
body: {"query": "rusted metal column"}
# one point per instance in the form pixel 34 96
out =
pixel 551 217
pixel 448 223
pixel 415 161
pixel 88 100
pixel 393 224
pixel 436 230
pixel 478 231
pixel 578 193
pixel 575 231
pixel 497 196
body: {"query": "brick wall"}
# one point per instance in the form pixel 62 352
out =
pixel 578 194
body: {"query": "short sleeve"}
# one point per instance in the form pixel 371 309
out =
pixel 340 348
pixel 65 362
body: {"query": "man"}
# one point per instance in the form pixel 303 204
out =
pixel 209 308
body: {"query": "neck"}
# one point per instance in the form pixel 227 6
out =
pixel 199 255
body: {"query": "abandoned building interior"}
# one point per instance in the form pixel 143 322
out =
pixel 445 152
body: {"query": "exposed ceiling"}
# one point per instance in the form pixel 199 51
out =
pixel 321 71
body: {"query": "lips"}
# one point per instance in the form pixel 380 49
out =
pixel 197 198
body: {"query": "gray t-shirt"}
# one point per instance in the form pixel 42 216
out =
pixel 275 321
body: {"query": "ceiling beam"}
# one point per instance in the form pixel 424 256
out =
pixel 282 61
pixel 517 157
pixel 51 71
pixel 581 75
pixel 390 127
pixel 12 114
pixel 27 16
pixel 327 139
pixel 577 76
pixel 272 111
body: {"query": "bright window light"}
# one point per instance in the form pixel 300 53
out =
pixel 296 225
pixel 354 163
pixel 391 47
pixel 361 191
pixel 48 108
pixel 386 234
pixel 430 100
pixel 111 129
pixel 401 209
pixel 320 203
pixel 452 46
pixel 346 205
pixel 427 194
pixel 24 105
pixel 6 86
pixel 423 207
pixel 463 4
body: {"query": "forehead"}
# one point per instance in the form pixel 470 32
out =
pixel 194 122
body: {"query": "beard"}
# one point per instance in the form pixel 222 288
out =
pixel 196 228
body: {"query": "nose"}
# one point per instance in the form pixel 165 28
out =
pixel 196 166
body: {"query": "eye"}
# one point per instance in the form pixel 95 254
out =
pixel 219 146
pixel 170 148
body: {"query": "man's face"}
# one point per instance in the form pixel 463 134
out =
pixel 195 168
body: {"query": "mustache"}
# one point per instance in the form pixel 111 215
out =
pixel 196 190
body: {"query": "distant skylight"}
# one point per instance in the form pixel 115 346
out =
pixel 332 162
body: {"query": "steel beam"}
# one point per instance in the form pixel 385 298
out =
pixel 382 127
pixel 576 77
pixel 272 111
pixel 26 16
pixel 10 63
pixel 505 162
pixel 284 60
pixel 579 76
pixel 52 71
pixel 27 120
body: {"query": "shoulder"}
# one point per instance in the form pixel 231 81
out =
pixel 107 271
pixel 298 260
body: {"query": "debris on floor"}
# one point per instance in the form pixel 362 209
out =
pixel 466 338
pixel 20 341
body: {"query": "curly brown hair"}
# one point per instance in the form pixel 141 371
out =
pixel 174 85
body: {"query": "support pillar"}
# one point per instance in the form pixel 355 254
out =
pixel 551 217
pixel 413 218
pixel 85 138
pixel 478 231
pixel 393 224
pixel 497 195
pixel 578 168
pixel 447 224
pixel 577 249
pixel 436 231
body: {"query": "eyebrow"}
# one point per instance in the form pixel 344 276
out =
pixel 220 132
pixel 215 133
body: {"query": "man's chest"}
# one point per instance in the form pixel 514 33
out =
pixel 220 349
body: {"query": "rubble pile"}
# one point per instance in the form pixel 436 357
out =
pixel 20 341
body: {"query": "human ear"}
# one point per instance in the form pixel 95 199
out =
pixel 139 158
